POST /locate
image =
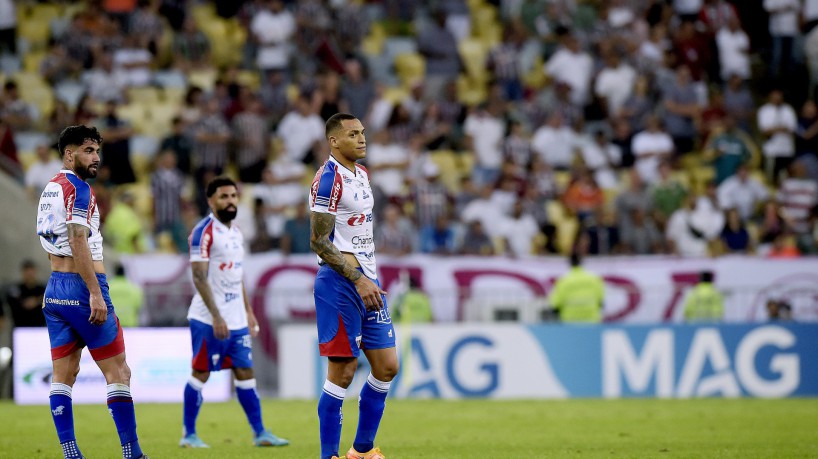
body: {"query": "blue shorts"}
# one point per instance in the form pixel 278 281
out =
pixel 212 354
pixel 66 305
pixel 344 325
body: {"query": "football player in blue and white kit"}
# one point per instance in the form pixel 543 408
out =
pixel 77 308
pixel 352 314
pixel 222 322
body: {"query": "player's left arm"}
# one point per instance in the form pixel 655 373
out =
pixel 252 323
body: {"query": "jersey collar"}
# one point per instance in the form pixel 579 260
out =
pixel 219 223
pixel 354 172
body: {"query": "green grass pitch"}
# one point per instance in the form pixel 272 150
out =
pixel 702 428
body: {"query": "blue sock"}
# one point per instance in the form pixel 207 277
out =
pixel 192 403
pixel 248 398
pixel 120 405
pixel 63 413
pixel 330 418
pixel 371 404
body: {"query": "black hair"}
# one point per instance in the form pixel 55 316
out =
pixel 576 260
pixel 77 135
pixel 10 85
pixel 334 122
pixel 28 263
pixel 217 183
pixel 119 270
pixel 706 276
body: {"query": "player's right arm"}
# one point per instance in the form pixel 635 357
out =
pixel 81 252
pixel 199 269
pixel 321 225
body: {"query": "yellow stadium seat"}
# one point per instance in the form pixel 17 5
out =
pixel 700 176
pixel 159 118
pixel 474 53
pixel 204 78
pixel 143 95
pixel 446 162
pixel 471 92
pixel 173 95
pixel 45 11
pixel 566 234
pixel 27 158
pixel 373 44
pixel 395 95
pixel 142 165
pixel 562 179
pixel 410 67
pixel 465 161
pixel 203 13
pixel 35 31
pixel 33 60
pixel 535 77
pixel 40 97
pixel 249 78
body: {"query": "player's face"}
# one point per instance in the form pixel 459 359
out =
pixel 84 159
pixel 224 203
pixel 350 140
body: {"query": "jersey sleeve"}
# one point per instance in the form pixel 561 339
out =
pixel 326 190
pixel 79 203
pixel 201 241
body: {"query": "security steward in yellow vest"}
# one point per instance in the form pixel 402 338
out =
pixel 704 303
pixel 578 296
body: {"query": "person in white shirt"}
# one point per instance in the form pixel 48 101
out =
pixel 743 193
pixel 272 28
pixel 8 27
pixel 133 61
pixel 302 131
pixel 518 230
pixel 734 47
pixel 41 172
pixel 601 157
pixel 484 129
pixel 103 83
pixel 280 190
pixel 486 210
pixel 687 232
pixel 388 162
pixel 555 142
pixel 783 30
pixel 777 122
pixel 650 147
pixel 614 83
pixel 574 67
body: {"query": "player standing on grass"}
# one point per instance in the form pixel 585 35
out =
pixel 221 320
pixel 76 304
pixel 352 313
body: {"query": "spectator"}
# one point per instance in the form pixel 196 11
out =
pixel 211 135
pixel 167 187
pixel 682 107
pixel 192 108
pixel 484 129
pixel 743 193
pixel 430 196
pixel 574 67
pixel 8 28
pixel 190 47
pixel 601 157
pixel 302 132
pixel 784 246
pixel 728 148
pixel 797 196
pixel 554 142
pixel 25 299
pixel 692 51
pixel 272 28
pixel 519 231
pixel 600 236
pixel 734 237
pixel 636 108
pixel 252 139
pixel 622 137
pixel 127 296
pixel 295 238
pixel 146 24
pixel 777 122
pixel 273 95
pixel 57 67
pixel 505 61
pixel 806 135
pixel 133 61
pixel 614 83
pixel 476 241
pixel 684 235
pixel 579 295
pixel 413 306
pixel 734 48
pixel 261 240
pixel 641 237
pixel 41 172
pixel 103 82
pixel 180 145
pixel 17 114
pixel 704 303
pixel 636 197
pixel 778 310
pixel 117 155
pixel 739 103
pixel 583 197
pixel 439 238
pixel 668 195
pixel 395 235
pixel 649 148
pixel 485 210
pixel 388 163
pixel 783 30
pixel 437 44
pixel 280 190
pixel 357 92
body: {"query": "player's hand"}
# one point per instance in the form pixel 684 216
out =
pixel 370 293
pixel 252 323
pixel 99 310
pixel 220 330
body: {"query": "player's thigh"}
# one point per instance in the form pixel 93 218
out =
pixel 65 369
pixel 61 307
pixel 208 351
pixel 339 314
pixel 377 331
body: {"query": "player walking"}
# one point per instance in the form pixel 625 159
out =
pixel 221 321
pixel 352 313
pixel 76 304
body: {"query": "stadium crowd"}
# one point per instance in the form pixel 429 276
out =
pixel 512 127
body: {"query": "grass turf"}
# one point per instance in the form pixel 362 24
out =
pixel 737 428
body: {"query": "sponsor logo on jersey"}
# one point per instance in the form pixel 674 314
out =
pixel 335 196
pixel 356 220
pixel 228 297
pixel 223 266
pixel 362 241
pixel 50 194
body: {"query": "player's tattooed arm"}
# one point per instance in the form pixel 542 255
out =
pixel 199 269
pixel 321 226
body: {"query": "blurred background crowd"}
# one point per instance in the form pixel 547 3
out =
pixel 510 127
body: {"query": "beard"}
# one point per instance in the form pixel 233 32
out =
pixel 227 215
pixel 86 172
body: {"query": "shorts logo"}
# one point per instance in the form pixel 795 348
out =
pixel 215 359
pixel 390 333
pixel 358 340
pixel 60 302
pixel 383 316
pixel 58 410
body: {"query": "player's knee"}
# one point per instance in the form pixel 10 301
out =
pixel 387 372
pixel 243 373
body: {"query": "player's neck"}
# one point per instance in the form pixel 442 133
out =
pixel 343 161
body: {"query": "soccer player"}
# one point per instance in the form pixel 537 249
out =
pixel 221 320
pixel 76 304
pixel 351 310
